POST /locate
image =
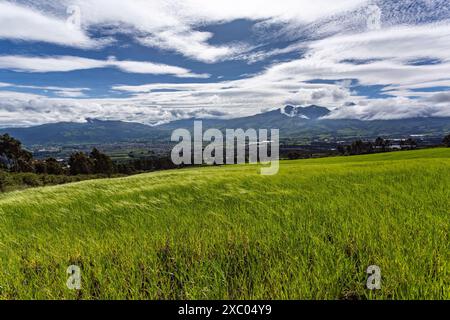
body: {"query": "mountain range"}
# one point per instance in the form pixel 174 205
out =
pixel 295 124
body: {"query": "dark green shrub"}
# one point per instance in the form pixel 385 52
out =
pixel 31 179
pixel 446 141
pixel 2 181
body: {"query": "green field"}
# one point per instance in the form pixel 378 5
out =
pixel 309 232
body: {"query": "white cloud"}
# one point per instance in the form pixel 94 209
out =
pixel 71 93
pixel 388 109
pixel 154 68
pixel 174 25
pixel 400 44
pixel 71 63
pixel 24 23
pixel 169 25
pixel 440 98
pixel 24 109
pixel 58 91
pixel 48 64
pixel 192 44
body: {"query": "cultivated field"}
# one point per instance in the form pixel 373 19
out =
pixel 309 232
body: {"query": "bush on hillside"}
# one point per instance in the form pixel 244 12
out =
pixel 447 141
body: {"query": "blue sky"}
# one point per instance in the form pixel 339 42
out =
pixel 159 60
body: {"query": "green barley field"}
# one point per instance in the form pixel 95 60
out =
pixel 309 232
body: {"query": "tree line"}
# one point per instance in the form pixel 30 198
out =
pixel 382 145
pixel 379 145
pixel 14 158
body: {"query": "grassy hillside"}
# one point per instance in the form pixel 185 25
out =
pixel 309 232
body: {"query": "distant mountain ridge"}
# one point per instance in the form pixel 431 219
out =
pixel 294 122
pixel 91 131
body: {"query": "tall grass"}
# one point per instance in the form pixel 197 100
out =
pixel 309 232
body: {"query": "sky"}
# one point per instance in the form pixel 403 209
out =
pixel 154 61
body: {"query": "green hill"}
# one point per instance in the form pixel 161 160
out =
pixel 227 232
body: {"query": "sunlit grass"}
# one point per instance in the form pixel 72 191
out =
pixel 309 232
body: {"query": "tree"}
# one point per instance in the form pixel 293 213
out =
pixel 101 162
pixel 40 167
pixel 293 155
pixel 359 147
pixel 379 142
pixel 126 168
pixel 48 166
pixel 411 143
pixel 2 181
pixel 13 157
pixel 341 149
pixel 80 163
pixel 53 166
pixel 447 141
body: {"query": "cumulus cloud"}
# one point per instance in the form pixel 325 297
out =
pixel 24 109
pixel 252 93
